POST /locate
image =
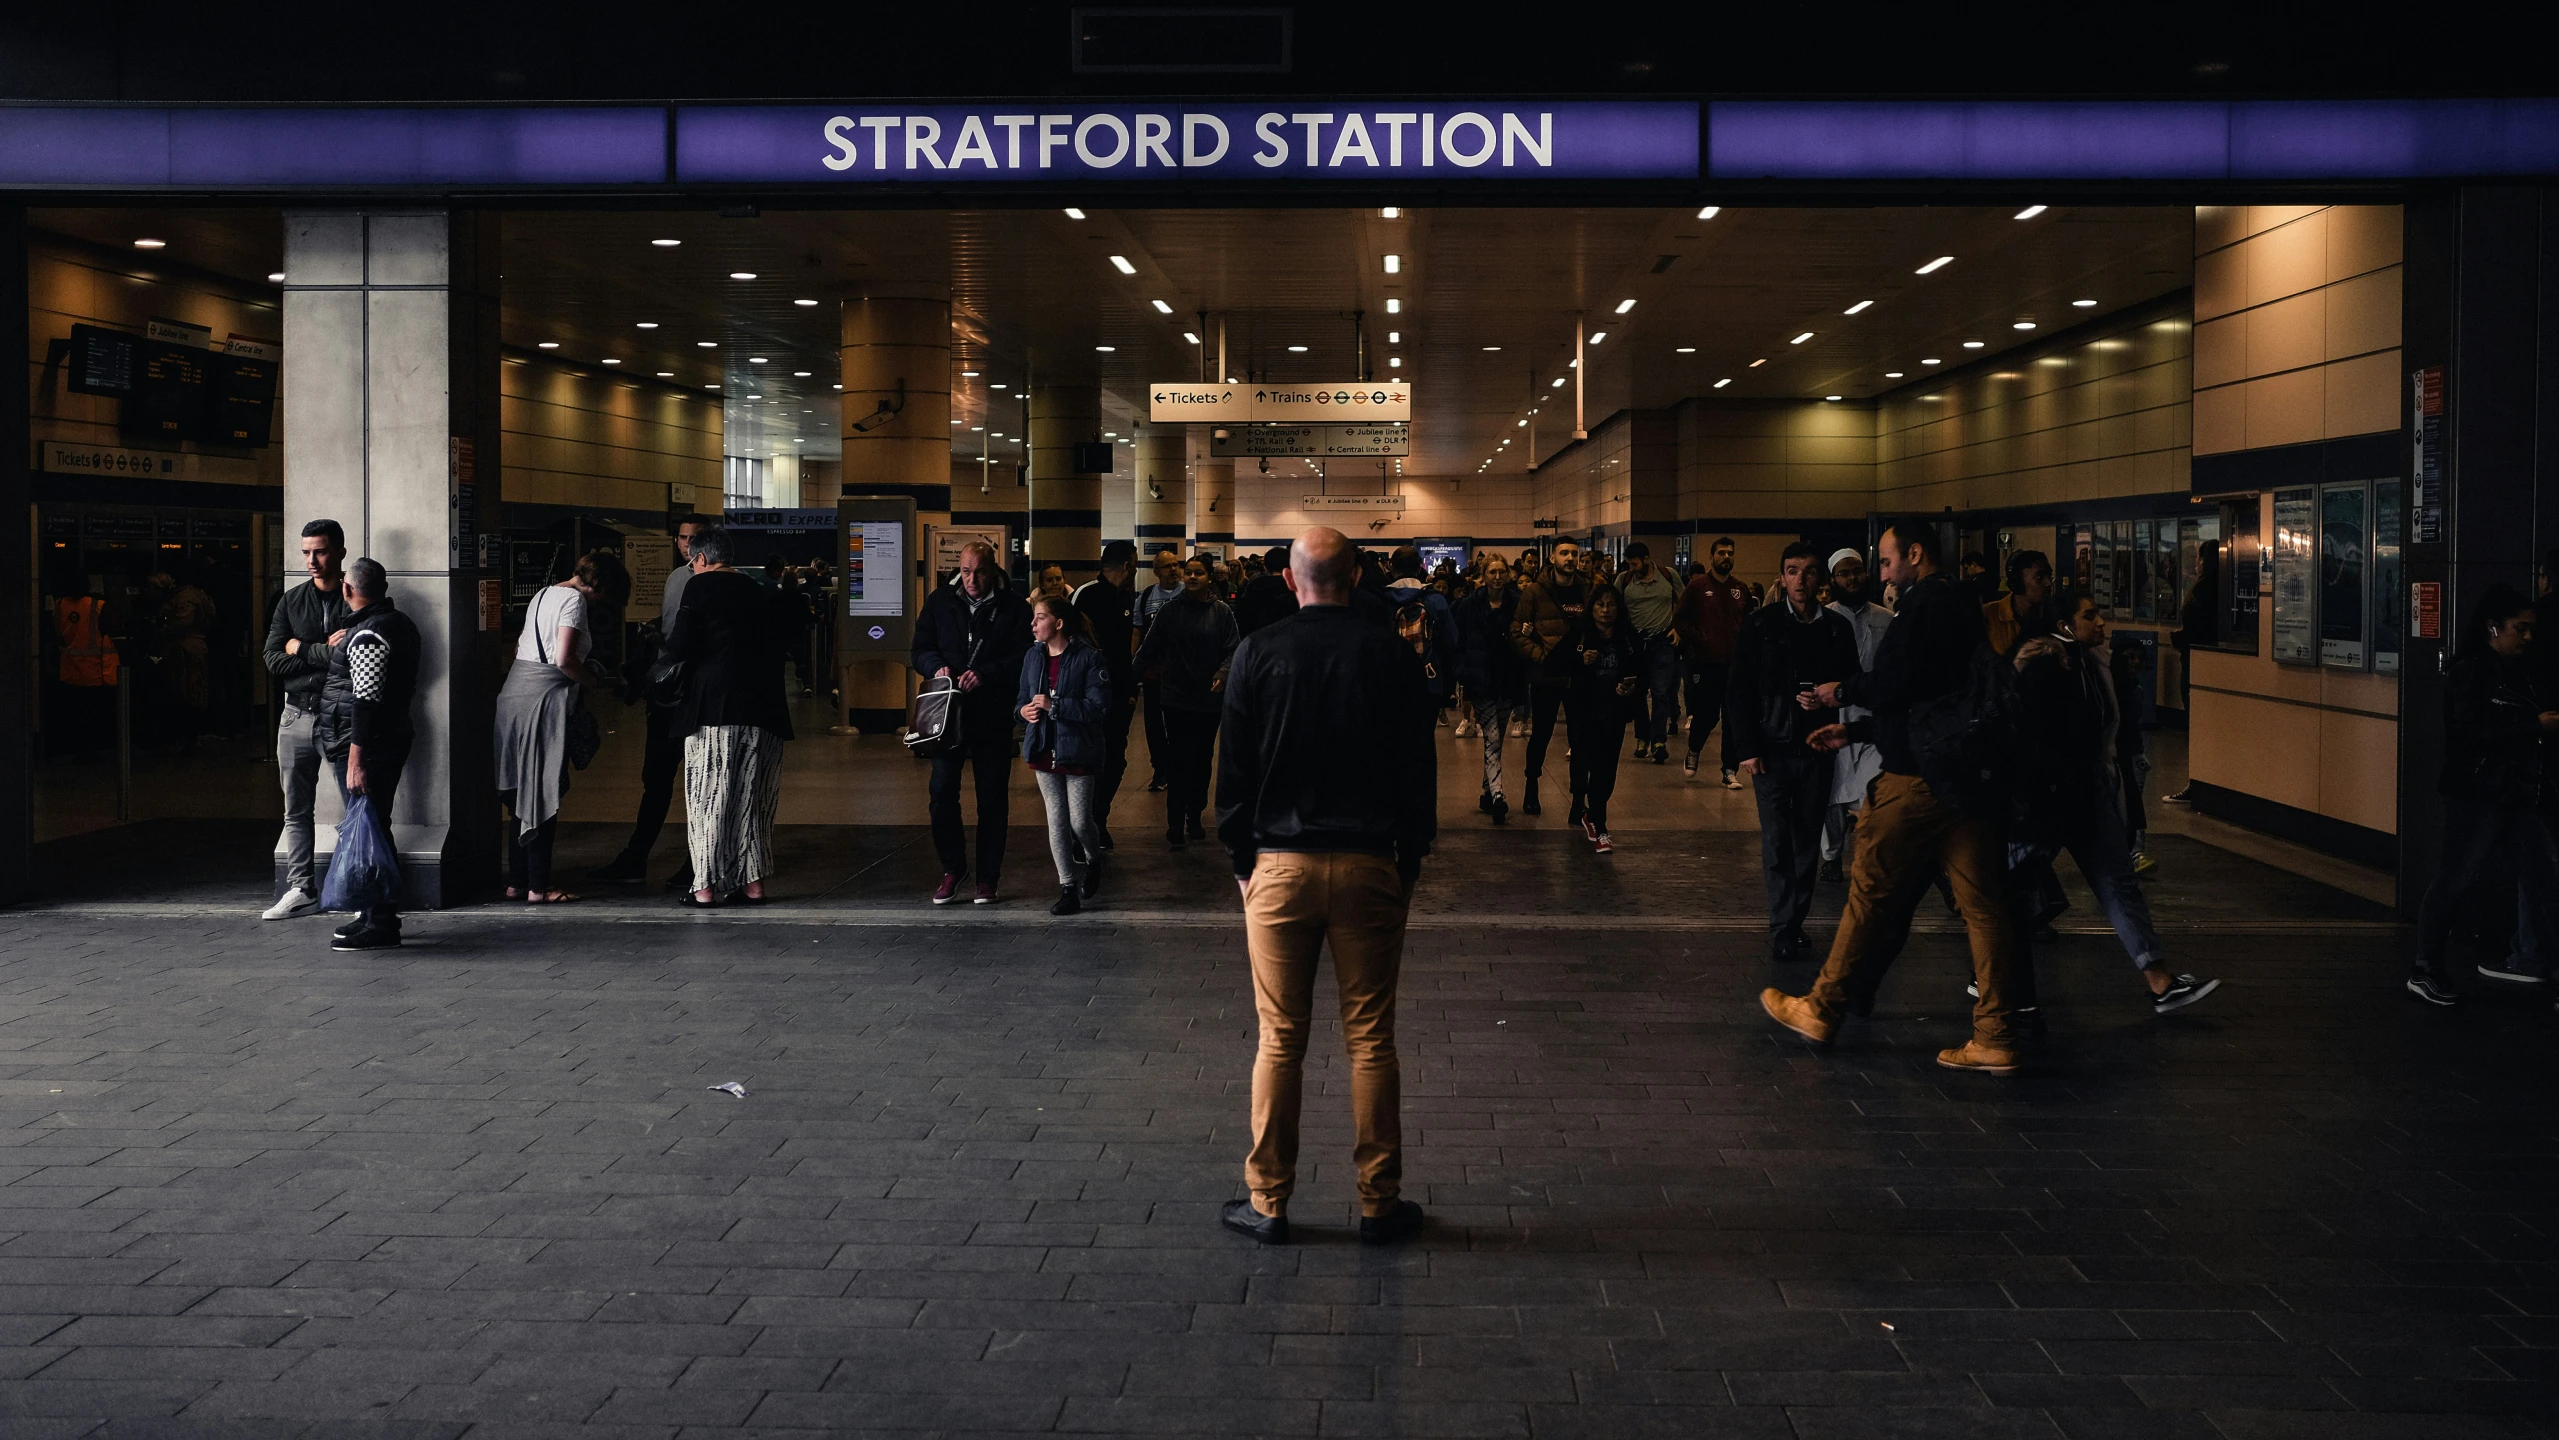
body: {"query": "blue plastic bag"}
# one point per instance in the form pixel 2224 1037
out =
pixel 365 871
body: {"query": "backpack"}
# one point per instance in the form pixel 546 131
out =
pixel 1967 740
pixel 1415 627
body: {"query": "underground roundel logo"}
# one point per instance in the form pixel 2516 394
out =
pixel 879 632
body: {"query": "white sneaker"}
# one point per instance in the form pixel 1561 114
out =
pixel 295 903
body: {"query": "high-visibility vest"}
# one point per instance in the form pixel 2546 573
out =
pixel 88 656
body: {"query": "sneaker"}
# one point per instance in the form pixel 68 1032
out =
pixel 2182 991
pixel 2142 863
pixel 2503 970
pixel 1068 901
pixel 1974 1055
pixel 2182 797
pixel 1972 991
pixel 1688 765
pixel 1092 885
pixel 985 894
pixel 948 890
pixel 1392 1228
pixel 367 937
pixel 296 903
pixel 1501 811
pixel 354 923
pixel 1796 1013
pixel 2432 991
pixel 1602 844
pixel 1590 829
pixel 1732 780
pixel 1240 1217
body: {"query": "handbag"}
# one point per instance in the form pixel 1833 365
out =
pixel 934 718
pixel 584 736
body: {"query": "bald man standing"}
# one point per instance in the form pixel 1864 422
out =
pixel 1327 798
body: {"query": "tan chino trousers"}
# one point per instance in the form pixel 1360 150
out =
pixel 1906 827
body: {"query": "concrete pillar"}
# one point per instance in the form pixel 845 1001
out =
pixel 18 648
pixel 1066 502
pixel 1163 486
pixel 1212 494
pixel 390 326
pixel 897 353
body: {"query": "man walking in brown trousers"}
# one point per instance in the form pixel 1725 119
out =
pixel 1327 799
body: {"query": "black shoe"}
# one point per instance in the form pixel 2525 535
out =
pixel 1068 902
pixel 2183 990
pixel 1192 829
pixel 1832 873
pixel 1528 802
pixel 1392 1228
pixel 1788 949
pixel 1240 1217
pixel 1092 878
pixel 1501 811
pixel 1107 842
pixel 1484 802
pixel 2432 990
pixel 1574 812
pixel 368 937
pixel 2182 797
pixel 1661 754
pixel 1173 837
pixel 347 929
pixel 1158 785
pixel 623 871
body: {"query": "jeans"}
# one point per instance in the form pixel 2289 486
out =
pixel 1906 828
pixel 528 862
pixel 1493 718
pixel 1074 820
pixel 1706 682
pixel 2102 847
pixel 297 763
pixel 2476 833
pixel 1599 740
pixel 382 766
pixel 1192 738
pixel 1295 902
pixel 661 764
pixel 1543 702
pixel 1794 793
pixel 1657 702
pixel 992 767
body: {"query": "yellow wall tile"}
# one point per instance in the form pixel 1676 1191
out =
pixel 2288 259
pixel 2284 409
pixel 2361 395
pixel 2363 313
pixel 2221 282
pixel 2287 334
pixel 2363 237
pixel 2219 225
pixel 2221 351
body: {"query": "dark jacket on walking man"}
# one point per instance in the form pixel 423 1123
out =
pixel 973 632
pixel 1326 801
pixel 1782 652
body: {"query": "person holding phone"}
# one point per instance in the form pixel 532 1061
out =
pixel 1606 665
pixel 1781 655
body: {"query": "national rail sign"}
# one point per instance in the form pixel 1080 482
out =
pixel 1351 402
pixel 1313 442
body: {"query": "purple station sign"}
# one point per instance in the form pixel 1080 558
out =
pixel 178 147
pixel 1172 143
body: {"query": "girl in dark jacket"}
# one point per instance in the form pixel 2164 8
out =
pixel 1064 694
pixel 1598 702
pixel 2496 783
pixel 1491 674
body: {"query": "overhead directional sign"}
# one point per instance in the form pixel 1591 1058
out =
pixel 1355 401
pixel 1320 442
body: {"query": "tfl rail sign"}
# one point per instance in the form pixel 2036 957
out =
pixel 1356 402
pixel 1297 140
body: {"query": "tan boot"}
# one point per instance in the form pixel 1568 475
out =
pixel 1798 1014
pixel 1974 1055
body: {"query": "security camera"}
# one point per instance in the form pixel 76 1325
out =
pixel 1266 464
pixel 1154 490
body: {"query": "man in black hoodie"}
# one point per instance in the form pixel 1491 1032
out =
pixel 1327 799
pixel 1926 657
pixel 974 632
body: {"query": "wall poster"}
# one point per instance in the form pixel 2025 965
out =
pixel 2345 555
pixel 2144 598
pixel 2296 559
pixel 2083 545
pixel 2389 622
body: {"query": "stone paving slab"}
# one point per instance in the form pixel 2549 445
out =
pixel 252 1187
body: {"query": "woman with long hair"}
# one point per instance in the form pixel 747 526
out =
pixel 1062 697
pixel 2498 795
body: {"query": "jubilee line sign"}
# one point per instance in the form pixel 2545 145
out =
pixel 1313 442
pixel 1354 401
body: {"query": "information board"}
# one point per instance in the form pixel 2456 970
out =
pixel 1350 401
pixel 650 559
pixel 875 546
pixel 1323 442
pixel 2296 554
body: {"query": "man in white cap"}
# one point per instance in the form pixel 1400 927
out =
pixel 1857 764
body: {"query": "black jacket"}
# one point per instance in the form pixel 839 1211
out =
pixel 1927 652
pixel 1105 608
pixel 311 615
pixel 725 635
pixel 998 631
pixel 1325 743
pixel 1775 655
pixel 1266 598
pixel 2072 735
pixel 2493 747
pixel 1599 665
pixel 371 685
pixel 1188 647
pixel 1071 734
pixel 1488 664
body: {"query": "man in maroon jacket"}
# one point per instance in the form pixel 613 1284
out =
pixel 1710 619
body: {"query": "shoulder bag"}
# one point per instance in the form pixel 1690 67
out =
pixel 934 717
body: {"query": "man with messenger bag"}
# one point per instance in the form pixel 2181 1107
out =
pixel 972 634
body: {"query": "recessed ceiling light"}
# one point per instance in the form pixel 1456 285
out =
pixel 2030 212
pixel 1120 263
pixel 1940 263
pixel 666 244
pixel 1394 264
pixel 810 303
pixel 1800 339
pixel 1860 305
pixel 714 385
pixel 1830 397
pixel 1489 349
pixel 707 344
pixel 959 422
pixel 1188 336
pixel 741 274
pixel 754 397
pixel 1296 349
pixel 1394 306
pixel 1727 380
pixel 1972 344
pixel 150 244
pixel 1074 214
pixel 1625 305
pixel 968 374
pixel 1394 362
pixel 610 361
pixel 802 374
pixel 2023 325
pixel 756 360
pixel 1685 350
pixel 1710 212
pixel 839 385
pixel 1932 360
pixel 666 374
pixel 2082 304
pixel 547 345
pixel 1559 382
pixel 1393 214
pixel 1160 307
pixel 1597 336
pixel 276 277
pixel 647 325
pixel 1755 364
pixel 996 385
pixel 1892 374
